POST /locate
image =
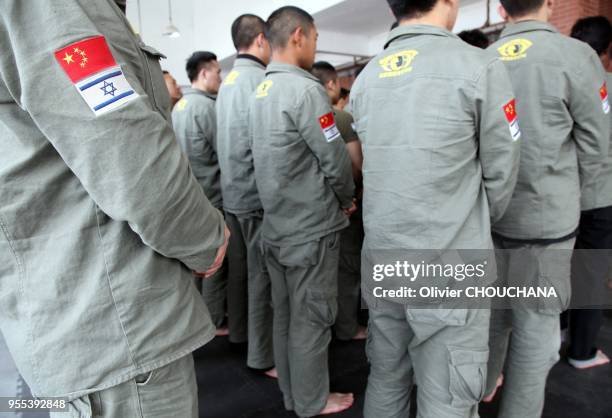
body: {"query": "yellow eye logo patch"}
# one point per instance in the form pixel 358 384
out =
pixel 263 89
pixel 515 49
pixel 397 64
pixel 180 106
pixel 231 78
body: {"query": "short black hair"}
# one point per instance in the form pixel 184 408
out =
pixel 404 9
pixel 595 31
pixel 519 8
pixel 344 93
pixel 165 72
pixel 475 37
pixel 283 22
pixel 245 29
pixel 324 71
pixel 197 61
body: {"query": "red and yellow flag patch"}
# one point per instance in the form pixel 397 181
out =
pixel 90 66
pixel 512 118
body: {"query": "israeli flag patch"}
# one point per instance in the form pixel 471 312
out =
pixel 97 77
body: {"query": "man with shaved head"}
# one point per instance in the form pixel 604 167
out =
pixel 303 175
pixel 248 295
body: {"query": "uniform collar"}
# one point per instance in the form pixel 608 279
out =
pixel 191 90
pixel 405 31
pixel 248 60
pixel 279 67
pixel 527 26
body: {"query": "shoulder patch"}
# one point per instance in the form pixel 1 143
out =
pixel 605 102
pixel 514 49
pixel 90 66
pixel 328 125
pixel 263 89
pixel 512 118
pixel 231 78
pixel 397 64
pixel 181 104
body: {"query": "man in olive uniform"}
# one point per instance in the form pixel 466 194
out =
pixel 244 214
pixel 303 176
pixel 558 83
pixel 590 268
pixel 195 125
pixel 440 163
pixel 349 268
pixel 102 222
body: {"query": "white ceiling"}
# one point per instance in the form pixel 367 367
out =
pixel 366 17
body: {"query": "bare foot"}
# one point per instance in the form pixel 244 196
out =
pixel 272 373
pixel 337 402
pixel 222 332
pixel 491 396
pixel 362 334
pixel 599 360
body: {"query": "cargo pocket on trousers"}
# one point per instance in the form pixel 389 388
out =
pixel 144 379
pixel 554 273
pixel 468 371
pixel 438 317
pixel 80 408
pixel 322 307
pixel 301 255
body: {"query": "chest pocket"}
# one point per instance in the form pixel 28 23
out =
pixel 156 87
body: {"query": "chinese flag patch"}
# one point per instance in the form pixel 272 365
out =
pixel 605 103
pixel 328 125
pixel 510 110
pixel 512 118
pixel 90 66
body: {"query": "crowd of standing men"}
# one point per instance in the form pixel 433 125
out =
pixel 110 204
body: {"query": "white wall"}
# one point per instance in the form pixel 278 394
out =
pixel 205 25
pixel 154 16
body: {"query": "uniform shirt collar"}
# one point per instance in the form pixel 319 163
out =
pixel 249 60
pixel 405 31
pixel 279 67
pixel 191 90
pixel 526 26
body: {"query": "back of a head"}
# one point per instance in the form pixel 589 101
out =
pixel 595 31
pixel 408 9
pixel 283 22
pixel 475 38
pixel 324 71
pixel 197 61
pixel 520 8
pixel 245 29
